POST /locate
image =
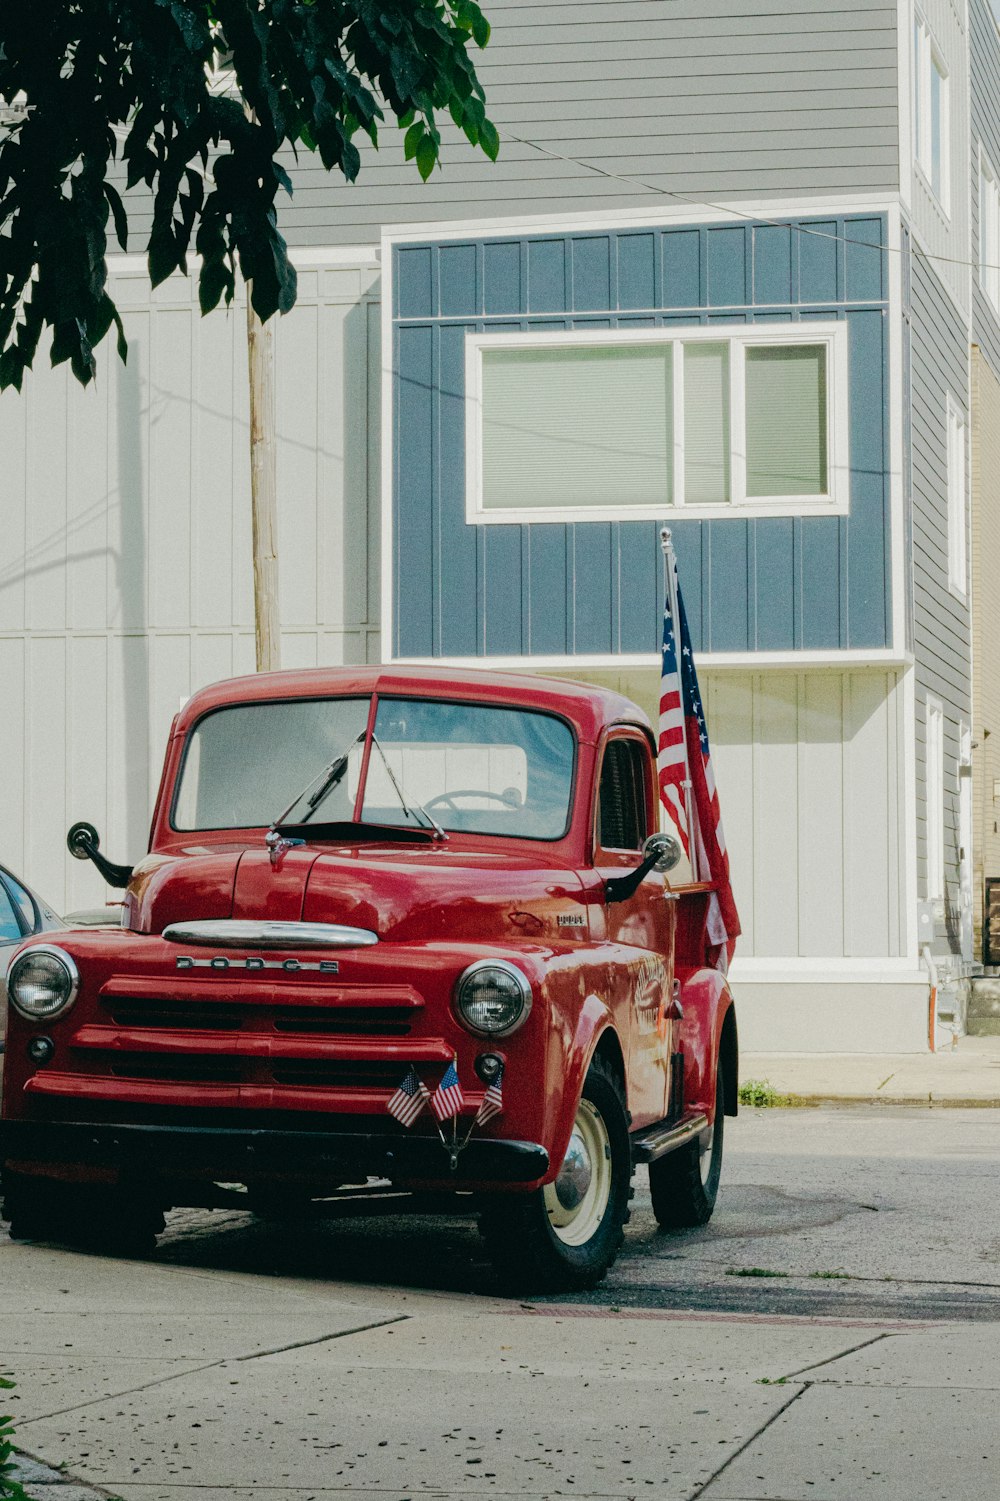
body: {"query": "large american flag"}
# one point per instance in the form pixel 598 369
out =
pixel 682 729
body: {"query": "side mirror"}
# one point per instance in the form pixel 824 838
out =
pixel 667 850
pixel 660 852
pixel 84 843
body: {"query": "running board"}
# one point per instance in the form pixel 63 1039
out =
pixel 656 1141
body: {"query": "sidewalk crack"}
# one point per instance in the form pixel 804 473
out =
pixel 751 1440
pixel 210 1365
pixel 829 1359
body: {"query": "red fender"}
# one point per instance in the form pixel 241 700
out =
pixel 707 1000
pixel 593 1022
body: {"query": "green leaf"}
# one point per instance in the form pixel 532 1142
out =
pixel 427 155
pixel 412 140
pixel 118 213
pixel 489 139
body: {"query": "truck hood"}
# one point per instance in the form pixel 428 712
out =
pixel 402 893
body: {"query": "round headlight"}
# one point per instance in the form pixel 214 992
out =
pixel 493 998
pixel 42 982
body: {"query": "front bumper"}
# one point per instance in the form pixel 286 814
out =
pixel 240 1155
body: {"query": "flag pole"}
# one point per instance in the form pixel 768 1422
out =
pixel 670 580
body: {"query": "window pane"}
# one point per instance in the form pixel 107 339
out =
pixel 937 94
pixel 10 928
pixel 706 423
pixel 577 427
pixel 786 420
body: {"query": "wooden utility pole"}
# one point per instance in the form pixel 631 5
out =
pixel 263 490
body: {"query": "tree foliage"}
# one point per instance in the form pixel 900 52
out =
pixel 134 86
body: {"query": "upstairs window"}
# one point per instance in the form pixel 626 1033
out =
pixel 623 425
pixel 930 111
pixel 989 232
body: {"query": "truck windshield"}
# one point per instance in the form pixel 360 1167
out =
pixel 476 768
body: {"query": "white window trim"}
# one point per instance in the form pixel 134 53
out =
pixel 832 334
pixel 930 54
pixel 989 270
pixel 934 773
pixel 957 498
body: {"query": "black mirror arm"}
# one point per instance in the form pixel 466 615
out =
pixel 83 843
pixel 620 888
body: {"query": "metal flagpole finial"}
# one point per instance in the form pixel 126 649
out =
pixel 666 539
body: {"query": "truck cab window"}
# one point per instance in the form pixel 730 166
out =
pixel 622 817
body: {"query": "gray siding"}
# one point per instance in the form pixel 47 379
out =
pixel 941 624
pixel 707 98
pixel 984 71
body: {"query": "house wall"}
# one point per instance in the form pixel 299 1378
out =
pixel 984 121
pixel 126 578
pixel 986 639
pixel 711 98
pixel 942 622
pixel 777 584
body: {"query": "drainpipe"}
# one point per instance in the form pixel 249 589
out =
pixel 928 959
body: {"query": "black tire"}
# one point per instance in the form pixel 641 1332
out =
pixel 116 1221
pixel 685 1184
pixel 543 1242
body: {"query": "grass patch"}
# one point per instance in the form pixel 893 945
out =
pixel 769 1381
pixel 10 1489
pixel 762 1095
pixel 831 1276
pixel 752 1271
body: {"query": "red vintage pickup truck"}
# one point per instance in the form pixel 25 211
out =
pixel 395 926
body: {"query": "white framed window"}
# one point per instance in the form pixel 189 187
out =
pixel 617 424
pixel 958 580
pixel 931 111
pixel 989 230
pixel 934 764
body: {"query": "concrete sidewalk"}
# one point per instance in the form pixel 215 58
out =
pixel 158 1383
pixel 967 1074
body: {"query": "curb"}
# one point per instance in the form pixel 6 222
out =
pixel 928 1101
pixel 42 1483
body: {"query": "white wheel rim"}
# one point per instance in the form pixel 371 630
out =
pixel 578 1199
pixel 705 1143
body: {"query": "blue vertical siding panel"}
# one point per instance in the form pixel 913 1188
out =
pixel 415 283
pixel 817 255
pixel 594 587
pixel 772 263
pixel 864 260
pixel 591 584
pixel 455 541
pixel 681 255
pixel 547 578
pixel 502 278
pixel 591 273
pixel 690 545
pixel 458 289
pixel 727 573
pixel 636 271
pixel 547 276
pixel 640 587
pixel 414 583
pixel 867 538
pixel 774 567
pixel 726 259
pixel 502 560
pixel 818 603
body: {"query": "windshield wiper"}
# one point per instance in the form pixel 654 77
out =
pixel 431 821
pixel 327 778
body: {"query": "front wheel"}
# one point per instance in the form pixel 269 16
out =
pixel 566 1235
pixel 114 1221
pixel 685 1184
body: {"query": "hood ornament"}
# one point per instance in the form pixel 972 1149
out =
pixel 279 846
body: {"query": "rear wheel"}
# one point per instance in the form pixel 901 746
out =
pixel 567 1234
pixel 685 1184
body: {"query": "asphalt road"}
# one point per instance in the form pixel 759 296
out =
pixel 853 1212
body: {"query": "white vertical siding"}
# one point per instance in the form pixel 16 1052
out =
pixel 125 563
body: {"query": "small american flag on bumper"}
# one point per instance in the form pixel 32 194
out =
pixel 448 1099
pixel 409 1099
